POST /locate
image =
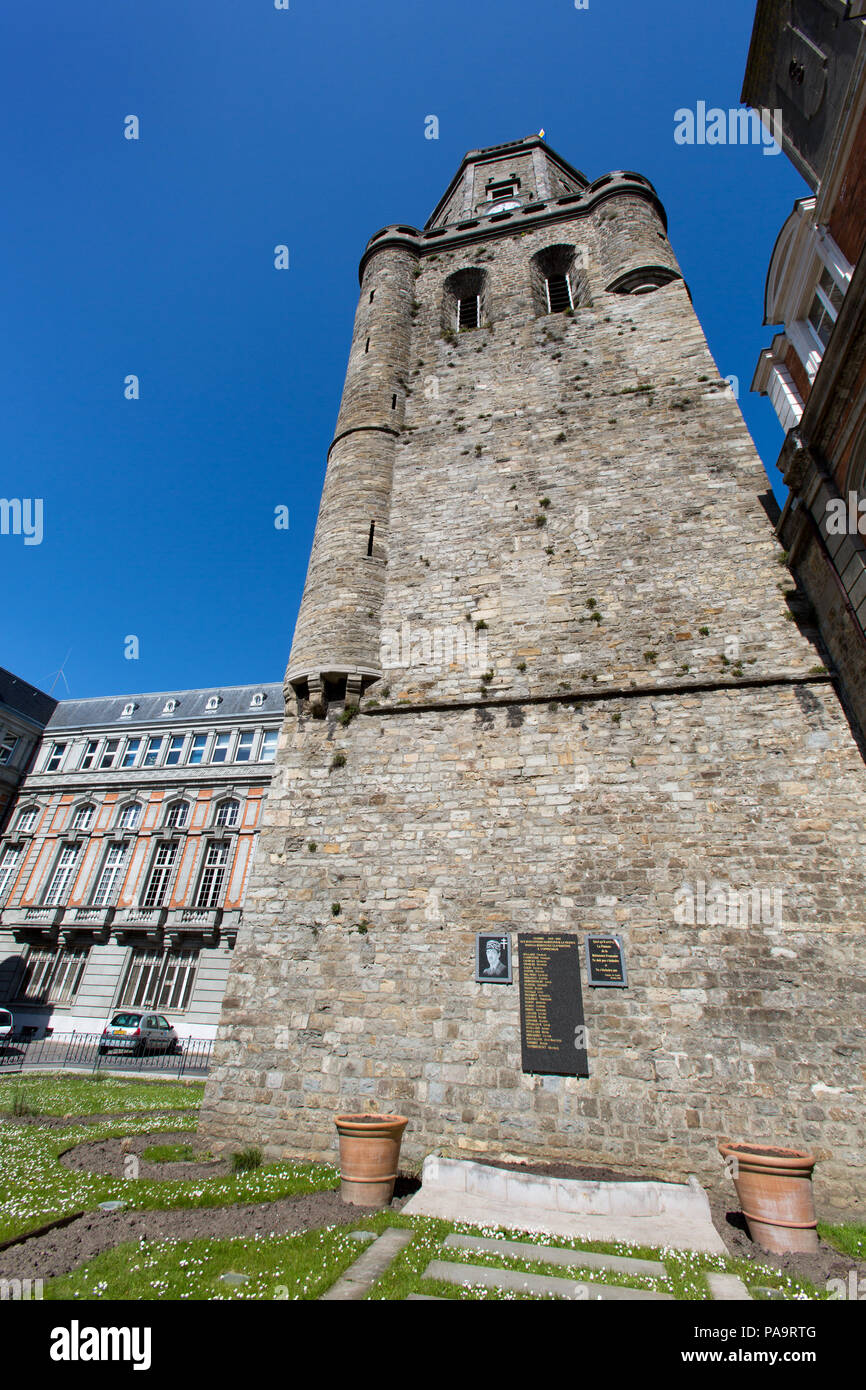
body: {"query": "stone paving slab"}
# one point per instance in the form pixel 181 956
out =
pixel 547 1254
pixel 512 1281
pixel 726 1287
pixel 369 1266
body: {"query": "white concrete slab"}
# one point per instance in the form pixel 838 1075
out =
pixel 676 1215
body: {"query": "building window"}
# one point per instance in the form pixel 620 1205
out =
pixel 558 291
pixel 177 814
pixel 244 750
pixel 53 975
pixel 169 707
pixel 159 980
pixel 220 750
pixel 61 879
pixel 269 746
pixel 8 744
pixel 27 819
pixel 197 747
pixel 89 754
pixel 175 748
pixel 128 710
pixel 213 873
pixel 109 879
pixel 258 700
pixel 213 702
pixel 227 813
pixel 498 192
pixel 464 300
pixel 55 757
pixel 825 306
pixel 468 312
pixel 109 753
pixel 160 873
pixel 83 818
pixel 152 752
pixel 9 860
pixel 129 816
pixel 130 752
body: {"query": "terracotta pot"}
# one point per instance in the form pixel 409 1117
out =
pixel 774 1187
pixel 369 1154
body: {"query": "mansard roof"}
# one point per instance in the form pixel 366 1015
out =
pixel 106 711
pixel 24 698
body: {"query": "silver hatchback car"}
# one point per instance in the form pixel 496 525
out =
pixel 137 1031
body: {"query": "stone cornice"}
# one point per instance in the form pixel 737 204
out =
pixel 472 230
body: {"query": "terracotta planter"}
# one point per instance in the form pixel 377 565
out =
pixel 369 1154
pixel 774 1188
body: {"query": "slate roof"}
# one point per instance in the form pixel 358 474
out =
pixel 24 698
pixel 106 711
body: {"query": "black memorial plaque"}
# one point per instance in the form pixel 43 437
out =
pixel 605 962
pixel 552 1031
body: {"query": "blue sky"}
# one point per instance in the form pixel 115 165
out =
pixel 155 257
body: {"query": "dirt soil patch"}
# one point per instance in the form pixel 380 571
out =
pixel 106 1157
pixel 60 1251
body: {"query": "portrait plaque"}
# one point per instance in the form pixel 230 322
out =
pixel 552 1030
pixel 605 962
pixel 493 958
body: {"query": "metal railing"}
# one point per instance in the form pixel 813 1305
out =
pixel 86 1050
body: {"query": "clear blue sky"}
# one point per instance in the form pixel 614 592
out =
pixel 155 257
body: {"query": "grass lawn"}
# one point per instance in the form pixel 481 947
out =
pixel 52 1093
pixel 35 1188
pixel 303 1266
pixel 850 1238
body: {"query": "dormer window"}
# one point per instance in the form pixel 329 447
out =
pixel 128 709
pixel 258 700
pixel 213 702
pixel 169 707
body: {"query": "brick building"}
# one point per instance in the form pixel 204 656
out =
pixel 808 60
pixel 543 679
pixel 124 866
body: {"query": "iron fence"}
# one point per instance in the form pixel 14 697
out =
pixel 87 1050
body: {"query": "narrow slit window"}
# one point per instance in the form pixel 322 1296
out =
pixel 367 348
pixel 558 294
pixel 372 292
pixel 393 402
pixel 469 312
pixel 370 538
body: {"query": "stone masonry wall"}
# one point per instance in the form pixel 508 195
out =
pixel 619 702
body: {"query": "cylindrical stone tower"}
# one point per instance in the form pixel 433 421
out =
pixel 336 644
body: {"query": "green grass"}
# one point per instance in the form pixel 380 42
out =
pixel 50 1093
pixel 173 1153
pixel 850 1238
pixel 304 1266
pixel 35 1188
pixel 280 1267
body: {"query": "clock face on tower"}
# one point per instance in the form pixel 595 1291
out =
pixel 505 206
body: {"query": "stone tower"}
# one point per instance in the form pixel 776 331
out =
pixel 546 678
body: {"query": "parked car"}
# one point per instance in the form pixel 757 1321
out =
pixel 6 1026
pixel 137 1031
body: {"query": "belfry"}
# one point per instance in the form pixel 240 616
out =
pixel 548 677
